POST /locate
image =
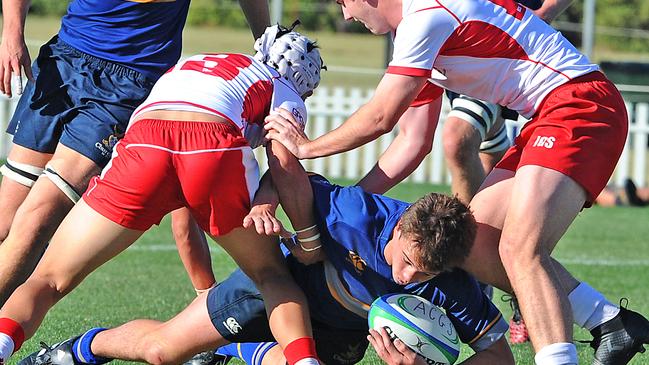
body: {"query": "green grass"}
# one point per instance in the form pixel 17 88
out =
pixel 607 247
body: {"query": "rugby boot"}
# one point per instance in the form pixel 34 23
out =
pixel 57 354
pixel 517 329
pixel 208 358
pixel 618 340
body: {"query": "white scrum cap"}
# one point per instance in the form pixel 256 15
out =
pixel 293 55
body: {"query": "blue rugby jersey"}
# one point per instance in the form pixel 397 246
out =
pixel 144 35
pixel 355 227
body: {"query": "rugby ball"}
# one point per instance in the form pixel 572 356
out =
pixel 420 324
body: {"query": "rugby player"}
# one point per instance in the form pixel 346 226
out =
pixel 500 52
pixel 189 144
pixel 371 245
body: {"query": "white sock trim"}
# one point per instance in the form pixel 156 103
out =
pixel 308 361
pixel 562 353
pixel 6 346
pixel 589 307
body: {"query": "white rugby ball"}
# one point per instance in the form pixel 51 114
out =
pixel 419 324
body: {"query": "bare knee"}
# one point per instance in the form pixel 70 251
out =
pixel 518 257
pixel 155 352
pixel 460 144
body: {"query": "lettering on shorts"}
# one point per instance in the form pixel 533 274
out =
pixel 543 141
pixel 106 145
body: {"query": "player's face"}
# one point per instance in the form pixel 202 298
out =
pixel 405 269
pixel 366 12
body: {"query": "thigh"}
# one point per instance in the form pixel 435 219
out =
pixel 236 309
pixel 546 203
pixel 84 241
pixel 139 185
pixel 189 332
pixel 489 206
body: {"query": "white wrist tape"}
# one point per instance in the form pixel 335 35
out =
pixel 306 229
pixel 309 239
pixel 201 291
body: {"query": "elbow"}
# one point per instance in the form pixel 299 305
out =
pixel 384 124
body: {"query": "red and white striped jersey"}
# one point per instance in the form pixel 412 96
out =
pixel 493 50
pixel 233 86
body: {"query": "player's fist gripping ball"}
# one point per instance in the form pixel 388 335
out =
pixel 419 324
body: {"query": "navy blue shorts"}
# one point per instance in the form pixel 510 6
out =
pixel 238 313
pixel 79 100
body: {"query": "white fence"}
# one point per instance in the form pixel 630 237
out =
pixel 328 108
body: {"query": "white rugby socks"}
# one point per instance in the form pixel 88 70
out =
pixel 589 307
pixel 562 353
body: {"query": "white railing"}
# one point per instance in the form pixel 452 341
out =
pixel 329 107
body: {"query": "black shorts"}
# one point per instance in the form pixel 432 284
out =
pixel 238 314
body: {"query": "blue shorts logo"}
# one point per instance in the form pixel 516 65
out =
pixel 107 144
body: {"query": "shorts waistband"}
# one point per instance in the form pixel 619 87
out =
pixel 589 77
pixel 188 125
pixel 113 67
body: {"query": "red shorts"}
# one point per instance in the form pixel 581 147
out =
pixel 579 130
pixel 163 165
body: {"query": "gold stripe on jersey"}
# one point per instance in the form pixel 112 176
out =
pixel 486 329
pixel 340 293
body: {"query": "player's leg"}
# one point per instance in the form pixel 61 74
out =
pixel 473 126
pixel 254 353
pixel 171 342
pixel 33 143
pixel 334 345
pixel 193 249
pixel 83 242
pixel 546 204
pixel 461 150
pixel 66 176
pixel 285 302
pixel 19 173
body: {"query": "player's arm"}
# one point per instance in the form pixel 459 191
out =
pixel 263 208
pixel 498 353
pixel 296 197
pixel 413 143
pixel 257 15
pixel 14 55
pixel 551 9
pixel 391 99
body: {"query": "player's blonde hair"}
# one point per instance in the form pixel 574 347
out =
pixel 443 229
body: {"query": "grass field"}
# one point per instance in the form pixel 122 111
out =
pixel 608 247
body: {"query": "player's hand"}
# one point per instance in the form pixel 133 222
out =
pixel 262 217
pixel 393 353
pixel 281 126
pixel 14 58
pixel 303 257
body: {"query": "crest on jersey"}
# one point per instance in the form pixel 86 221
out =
pixel 357 261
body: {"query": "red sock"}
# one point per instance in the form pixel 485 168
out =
pixel 299 349
pixel 12 329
